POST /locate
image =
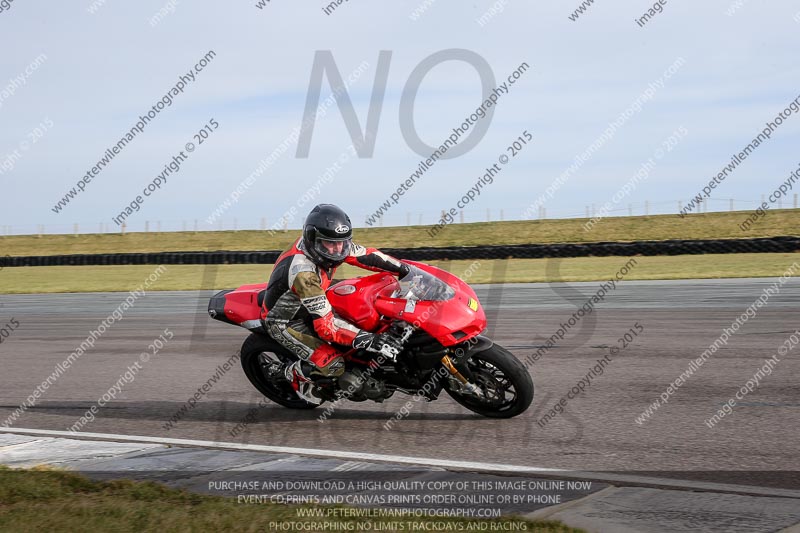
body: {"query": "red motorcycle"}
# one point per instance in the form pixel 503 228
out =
pixel 436 317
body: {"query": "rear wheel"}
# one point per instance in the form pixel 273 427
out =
pixel 506 385
pixel 264 362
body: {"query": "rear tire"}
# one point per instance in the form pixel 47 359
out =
pixel 263 361
pixel 504 380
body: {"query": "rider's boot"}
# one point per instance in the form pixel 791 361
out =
pixel 326 361
pixel 301 383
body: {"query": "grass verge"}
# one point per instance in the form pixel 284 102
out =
pixel 28 280
pixel 53 500
pixel 660 227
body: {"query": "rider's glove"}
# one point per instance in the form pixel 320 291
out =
pixel 404 270
pixel 382 343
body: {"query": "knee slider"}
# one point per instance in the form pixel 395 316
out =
pixel 328 360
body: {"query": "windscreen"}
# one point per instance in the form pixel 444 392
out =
pixel 420 285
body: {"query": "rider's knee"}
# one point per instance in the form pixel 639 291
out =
pixel 328 360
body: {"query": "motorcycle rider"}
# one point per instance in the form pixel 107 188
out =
pixel 296 312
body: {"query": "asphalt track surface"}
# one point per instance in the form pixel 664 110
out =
pixel 756 445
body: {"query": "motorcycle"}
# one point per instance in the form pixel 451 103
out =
pixel 435 316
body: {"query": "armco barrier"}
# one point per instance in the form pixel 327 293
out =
pixel 517 251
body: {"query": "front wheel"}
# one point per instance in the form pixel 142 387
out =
pixel 264 362
pixel 505 382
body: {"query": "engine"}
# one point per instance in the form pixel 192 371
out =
pixel 358 386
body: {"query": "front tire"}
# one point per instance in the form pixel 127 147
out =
pixel 506 384
pixel 264 361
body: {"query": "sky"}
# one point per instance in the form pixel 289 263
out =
pixel 104 63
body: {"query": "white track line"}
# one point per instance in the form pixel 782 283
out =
pixel 470 466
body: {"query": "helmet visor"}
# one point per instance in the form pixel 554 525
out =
pixel 333 249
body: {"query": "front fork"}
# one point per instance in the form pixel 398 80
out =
pixel 460 374
pixel 463 383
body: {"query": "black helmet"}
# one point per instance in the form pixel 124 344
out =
pixel 327 235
